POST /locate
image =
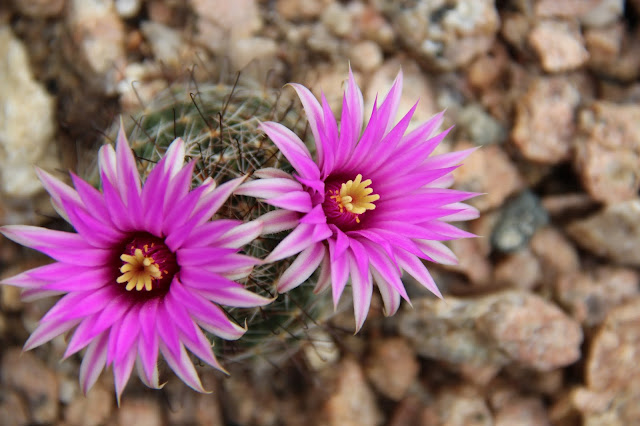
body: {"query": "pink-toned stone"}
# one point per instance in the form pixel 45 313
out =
pixel 392 367
pixel 350 400
pixel 40 8
pixel 613 356
pixel 462 406
pixel 608 151
pixel 589 295
pixel 140 412
pixel 91 410
pixel 545 116
pixel 488 171
pixel 559 46
pixel 556 253
pixel 613 232
pixel 28 375
pixel 518 270
pixel 522 412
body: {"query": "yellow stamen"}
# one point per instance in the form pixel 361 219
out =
pixel 139 271
pixel 355 196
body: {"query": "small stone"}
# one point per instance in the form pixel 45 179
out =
pixel 337 19
pixel 559 46
pixel 544 123
pixel 351 402
pixel 138 411
pixel 487 69
pixel 522 412
pixel 509 327
pixel 462 406
pixel 10 298
pixel 588 296
pixel 520 269
pixel 366 56
pixel 320 351
pixel 613 233
pixel 166 43
pixel 555 252
pixel 619 408
pixel 99 33
pixel 612 363
pixel 24 140
pixel 479 126
pixel 490 172
pixel 28 375
pixel 604 45
pixel 564 8
pixel 260 49
pixel 221 22
pixel 520 218
pixel 91 410
pixel 472 260
pixel 392 367
pixel 128 8
pixel 608 151
pixel 13 410
pixel 293 10
pixel 40 8
pixel 603 13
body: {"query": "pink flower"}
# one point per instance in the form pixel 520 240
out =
pixel 368 206
pixel 145 270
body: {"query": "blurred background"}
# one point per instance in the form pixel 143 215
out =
pixel 541 323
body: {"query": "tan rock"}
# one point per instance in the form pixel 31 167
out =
pixel 221 23
pixel 350 400
pixel 301 9
pixel 488 171
pixel 139 411
pixel 556 253
pixel 590 295
pixel 462 406
pixel 522 412
pixel 28 375
pixel 509 327
pixel 608 150
pixel 366 56
pixel 559 46
pixel 40 8
pixel 91 410
pixel 613 233
pixel 545 116
pixel 392 367
pixel 518 270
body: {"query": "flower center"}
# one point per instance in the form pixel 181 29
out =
pixel 147 264
pixel 354 197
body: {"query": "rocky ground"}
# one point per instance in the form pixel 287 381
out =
pixel 541 321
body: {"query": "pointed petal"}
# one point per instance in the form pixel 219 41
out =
pixel 361 284
pixel 93 362
pixel 292 148
pixel 298 201
pixel 302 268
pixel 268 188
pixel 417 270
pixel 122 371
pixel 241 235
pixel 47 330
pixel 299 239
pixel 278 221
pixel 182 366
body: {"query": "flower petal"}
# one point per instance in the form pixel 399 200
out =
pixel 302 268
pixel 93 362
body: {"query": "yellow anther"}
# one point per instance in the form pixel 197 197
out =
pixel 138 271
pixel 355 196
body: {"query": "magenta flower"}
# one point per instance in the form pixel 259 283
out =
pixel 145 271
pixel 369 206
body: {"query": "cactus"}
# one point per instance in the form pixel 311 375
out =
pixel 219 123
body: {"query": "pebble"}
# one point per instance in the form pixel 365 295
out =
pixel 589 295
pixel 99 34
pixel 445 35
pixel 392 367
pixel 603 13
pixel 612 233
pixel 522 412
pixel 479 126
pixel 463 406
pixel 23 372
pixel 366 56
pixel 295 10
pixel 559 46
pixel 40 8
pixel 13 410
pixel 521 217
pixel 499 329
pixel 221 23
pixel 140 412
pixel 612 362
pixel 24 140
pixel 608 151
pixel 350 402
pixel 91 410
pixel 337 19
pixel 128 8
pixel 556 254
pixel 490 172
pixel 166 43
pixel 520 269
pixel 544 122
